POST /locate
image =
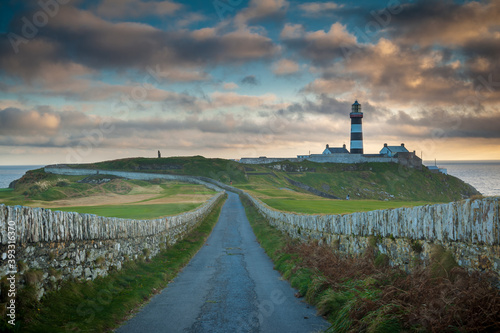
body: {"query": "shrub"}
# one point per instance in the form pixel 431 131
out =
pixel 22 266
pixel 33 276
pixel 371 241
pixel 442 261
pixel 382 260
pixel 62 183
pixel 416 246
pixel 55 273
pixel 100 261
pixel 52 255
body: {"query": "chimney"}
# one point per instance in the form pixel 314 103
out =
pixel 385 144
pixel 344 146
pixel 327 146
pixel 402 145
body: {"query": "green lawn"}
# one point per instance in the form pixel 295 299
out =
pixel 336 206
pixel 133 211
pixel 41 190
pixel 282 198
pixel 8 197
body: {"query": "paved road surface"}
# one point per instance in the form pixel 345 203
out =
pixel 229 286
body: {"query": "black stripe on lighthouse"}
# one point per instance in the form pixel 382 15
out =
pixel 356 136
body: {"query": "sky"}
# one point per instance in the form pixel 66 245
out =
pixel 84 81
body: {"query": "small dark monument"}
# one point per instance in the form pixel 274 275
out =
pixel 159 154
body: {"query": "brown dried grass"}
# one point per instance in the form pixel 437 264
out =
pixel 459 301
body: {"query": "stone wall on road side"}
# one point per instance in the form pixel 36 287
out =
pixel 468 229
pixel 55 245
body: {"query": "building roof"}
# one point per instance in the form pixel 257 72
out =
pixel 397 149
pixel 340 150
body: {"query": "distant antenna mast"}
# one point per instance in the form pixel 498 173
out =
pixel 435 162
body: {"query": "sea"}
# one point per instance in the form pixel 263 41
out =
pixel 8 173
pixel 483 175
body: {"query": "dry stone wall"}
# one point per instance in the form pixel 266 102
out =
pixel 468 229
pixel 62 245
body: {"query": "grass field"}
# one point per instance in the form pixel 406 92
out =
pixel 114 197
pixel 363 181
pixel 327 206
pixel 143 211
pixel 281 185
pixel 288 200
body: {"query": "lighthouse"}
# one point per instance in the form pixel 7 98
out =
pixel 356 129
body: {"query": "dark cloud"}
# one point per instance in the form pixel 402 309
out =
pixel 321 47
pixel 451 123
pixel 262 11
pixel 14 121
pixel 77 36
pixel 250 80
pixel 467 30
pixel 44 127
pixel 136 8
pixel 333 10
pixel 426 22
pixel 325 105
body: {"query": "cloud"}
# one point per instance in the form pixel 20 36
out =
pixel 232 99
pixel 230 86
pixel 404 76
pixel 292 31
pixel 261 10
pixel 330 86
pixel 427 23
pixel 79 37
pixel 439 122
pixel 16 121
pixel 319 8
pixel 136 8
pixel 319 46
pixel 49 128
pixel 190 18
pixel 285 67
pixel 428 54
pixel 250 80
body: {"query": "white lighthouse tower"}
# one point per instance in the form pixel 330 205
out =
pixel 356 129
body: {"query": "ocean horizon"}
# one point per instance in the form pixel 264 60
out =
pixel 483 175
pixel 9 173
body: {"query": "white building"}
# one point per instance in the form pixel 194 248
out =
pixel 391 151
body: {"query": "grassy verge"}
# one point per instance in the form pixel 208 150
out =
pixel 366 295
pixel 103 304
pixel 134 211
pixel 322 206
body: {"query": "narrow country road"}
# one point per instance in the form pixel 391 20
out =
pixel 229 286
